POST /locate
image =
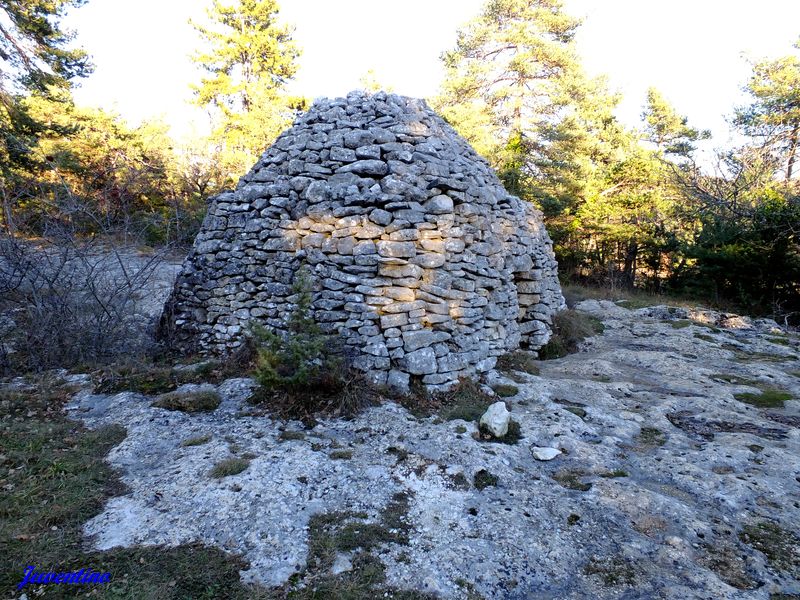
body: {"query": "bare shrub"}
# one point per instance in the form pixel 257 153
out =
pixel 70 302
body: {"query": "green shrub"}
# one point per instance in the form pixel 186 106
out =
pixel 302 371
pixel 570 328
pixel 506 391
pixel 197 440
pixel 227 467
pixel 190 402
pixel 302 358
pixel 518 360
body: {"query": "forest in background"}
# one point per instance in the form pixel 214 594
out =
pixel 627 208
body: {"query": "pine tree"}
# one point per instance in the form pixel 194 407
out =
pixel 774 115
pixel 667 129
pixel 34 50
pixel 35 59
pixel 501 78
pixel 249 60
pixel 516 89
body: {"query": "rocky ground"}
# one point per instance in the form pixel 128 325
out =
pixel 678 474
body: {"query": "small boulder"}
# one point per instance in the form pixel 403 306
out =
pixel 439 205
pixel 342 564
pixel 544 453
pixel 398 382
pixel 496 419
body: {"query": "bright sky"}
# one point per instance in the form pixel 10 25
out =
pixel 692 50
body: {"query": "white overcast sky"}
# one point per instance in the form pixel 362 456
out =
pixel 694 51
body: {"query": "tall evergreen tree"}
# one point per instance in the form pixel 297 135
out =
pixel 34 49
pixel 774 114
pixel 250 57
pixel 501 77
pixel 35 59
pixel 516 89
pixel 667 129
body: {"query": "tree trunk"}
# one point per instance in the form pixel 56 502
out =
pixel 629 271
pixel 792 151
pixel 8 222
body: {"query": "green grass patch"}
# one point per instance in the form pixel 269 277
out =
pixel 651 437
pixel 190 402
pixel 576 410
pixel 484 479
pixel 519 360
pixel 55 478
pixel 399 453
pixel 614 474
pixel 570 328
pixel 680 324
pixel 734 379
pixel 573 407
pixel 465 401
pixel 613 571
pixel 341 455
pixel 705 338
pixel 728 562
pixel 505 390
pixel 631 299
pixel 512 436
pixel 197 440
pixel 334 533
pixel 768 398
pixel 572 479
pixel 781 547
pixel 746 357
pixel 709 326
pixel 228 467
pixel 152 379
pixel 288 436
pixel 460 481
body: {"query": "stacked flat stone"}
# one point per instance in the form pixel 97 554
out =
pixel 420 260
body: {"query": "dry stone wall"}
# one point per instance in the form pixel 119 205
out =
pixel 420 260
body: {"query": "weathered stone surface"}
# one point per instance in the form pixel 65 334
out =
pixel 381 217
pixel 440 205
pixel 421 362
pixel 544 454
pixel 416 253
pixel 366 167
pixel 398 381
pixel 414 340
pixel 663 466
pixel 496 419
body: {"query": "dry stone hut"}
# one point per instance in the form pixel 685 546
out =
pixel 419 258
